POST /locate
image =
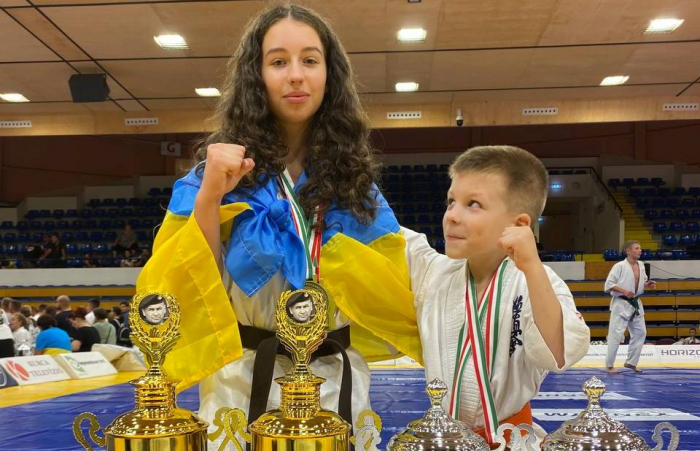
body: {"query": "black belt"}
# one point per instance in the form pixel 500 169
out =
pixel 268 345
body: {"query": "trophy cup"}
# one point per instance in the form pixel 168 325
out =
pixel 300 424
pixel 594 430
pixel 437 431
pixel 156 423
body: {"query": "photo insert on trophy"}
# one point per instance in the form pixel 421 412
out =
pixel 154 310
pixel 301 308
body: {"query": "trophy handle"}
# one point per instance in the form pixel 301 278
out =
pixel 518 441
pixel 659 440
pixel 229 422
pixel 94 427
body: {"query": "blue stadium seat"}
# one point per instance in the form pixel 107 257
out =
pixel 121 202
pixel 75 262
pixel 682 214
pixel 82 236
pixel 440 245
pixel 686 240
pixel 666 214
pixel 643 202
pixel 148 223
pixel 24 237
pixel 409 220
pixel 148 202
pixel 142 235
pixel 688 202
pixel 118 223
pixel 72 213
pixel 67 237
pixel 99 213
pixel 649 192
pixel 94 203
pixel 38 237
pixel 657 202
pixel 134 223
pixel 628 182
pixel 11 249
pixel 90 224
pixel 643 181
pixel 6 225
pixel 670 239
pixel 156 212
pixel 431 168
pixel 32 214
pixel 675 226
pixel 664 255
pixel 425 230
pixel 85 248
pixel 680 191
pixel 49 225
pixel 614 183
pixel 36 225
pixel 695 214
pixel 134 201
pixel 167 191
pixel 107 202
pixel 96 236
pixel 63 224
pixel 423 219
pixel 105 224
pixel 71 249
pixel 44 214
pixel 58 214
pixel 657 181
pixel 692 226
pixel 672 202
pixel 651 214
pixel 110 235
pixel 86 213
pixel 648 255
pixel 101 248
pixel 679 254
pixel 635 192
pixel 439 231
pixel 112 212
pixel 664 192
pixel 611 255
pixel 126 212
pixel 154 192
pixel 694 191
pixel 77 224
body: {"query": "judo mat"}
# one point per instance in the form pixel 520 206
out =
pixel 398 396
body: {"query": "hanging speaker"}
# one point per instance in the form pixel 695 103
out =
pixel 88 87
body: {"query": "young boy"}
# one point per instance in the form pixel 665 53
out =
pixel 491 280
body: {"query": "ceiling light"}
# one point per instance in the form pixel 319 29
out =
pixel 170 41
pixel 406 87
pixel 411 35
pixel 13 97
pixel 614 80
pixel 658 26
pixel 208 92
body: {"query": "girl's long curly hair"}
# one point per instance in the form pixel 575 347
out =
pixel 340 163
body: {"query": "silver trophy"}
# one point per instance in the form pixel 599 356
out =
pixel 594 430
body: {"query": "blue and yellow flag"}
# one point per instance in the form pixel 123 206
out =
pixel 358 262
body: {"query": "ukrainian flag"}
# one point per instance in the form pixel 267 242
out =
pixel 361 265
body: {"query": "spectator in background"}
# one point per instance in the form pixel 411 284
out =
pixel 5 311
pixel 21 335
pixel 51 340
pixel 124 306
pixel 46 247
pixel 691 339
pixel 52 311
pixel 143 258
pixel 126 241
pixel 108 334
pixel 130 260
pixel 15 306
pixel 40 311
pixel 85 335
pixel 32 254
pixel 7 342
pixel 113 317
pixel 57 256
pixel 31 327
pixel 89 262
pixel 92 305
pixel 63 315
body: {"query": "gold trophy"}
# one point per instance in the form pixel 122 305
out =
pixel 300 424
pixel 156 423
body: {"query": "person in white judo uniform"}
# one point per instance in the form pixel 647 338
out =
pixel 626 282
pixel 491 281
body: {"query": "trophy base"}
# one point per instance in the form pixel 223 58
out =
pixel 195 441
pixel 326 431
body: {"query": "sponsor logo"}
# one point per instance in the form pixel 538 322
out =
pixel 17 370
pixel 77 366
pixel 573 396
pixel 681 352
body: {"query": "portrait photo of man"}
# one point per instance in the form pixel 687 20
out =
pixel 300 308
pixel 154 310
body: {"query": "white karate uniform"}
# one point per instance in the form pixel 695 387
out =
pixel 230 386
pixel 523 358
pixel 621 313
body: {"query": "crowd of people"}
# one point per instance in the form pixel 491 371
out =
pixel 60 328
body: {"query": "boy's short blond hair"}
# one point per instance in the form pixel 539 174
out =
pixel 526 177
pixel 628 245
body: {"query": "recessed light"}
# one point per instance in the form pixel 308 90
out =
pixel 411 35
pixel 170 41
pixel 614 80
pixel 13 97
pixel 208 92
pixel 658 26
pixel 406 87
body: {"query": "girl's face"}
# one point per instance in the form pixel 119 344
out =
pixel 294 71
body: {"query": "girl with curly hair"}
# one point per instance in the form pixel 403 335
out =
pixel 292 149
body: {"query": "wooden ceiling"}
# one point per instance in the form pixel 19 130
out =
pixel 528 52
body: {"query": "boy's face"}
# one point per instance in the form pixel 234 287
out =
pixel 476 215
